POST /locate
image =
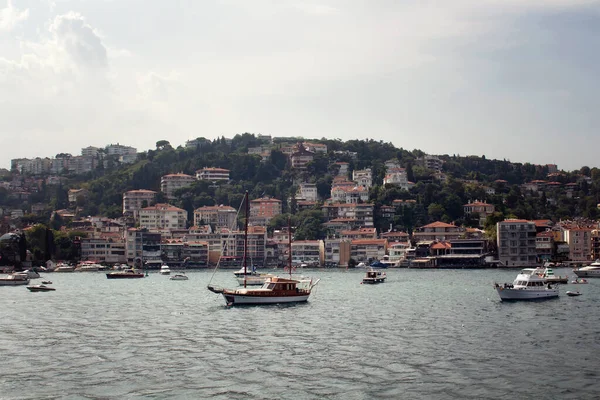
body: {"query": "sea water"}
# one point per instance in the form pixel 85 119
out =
pixel 433 334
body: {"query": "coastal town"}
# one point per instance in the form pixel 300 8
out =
pixel 153 229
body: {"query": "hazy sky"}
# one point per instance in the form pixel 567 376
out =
pixel 514 79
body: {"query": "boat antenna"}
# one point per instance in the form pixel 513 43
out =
pixel 246 237
pixel 290 245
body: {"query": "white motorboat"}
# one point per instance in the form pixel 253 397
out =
pixel 165 270
pixel 527 286
pixel 374 276
pixel 88 267
pixel 180 276
pixel 14 280
pixel 64 268
pixel 29 273
pixel 590 271
pixel 573 293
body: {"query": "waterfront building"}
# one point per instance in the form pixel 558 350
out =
pixel 544 245
pixel 337 252
pixel 232 244
pixel 188 254
pixel 311 252
pixel 516 240
pixel 579 239
pixel 172 182
pixel 368 250
pixel 106 248
pixel 143 248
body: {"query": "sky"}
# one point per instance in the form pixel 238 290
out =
pixel 508 79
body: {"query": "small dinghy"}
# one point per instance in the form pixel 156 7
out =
pixel 572 294
pixel 47 282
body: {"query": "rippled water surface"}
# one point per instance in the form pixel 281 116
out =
pixel 423 334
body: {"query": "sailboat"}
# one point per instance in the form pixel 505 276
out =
pixel 275 289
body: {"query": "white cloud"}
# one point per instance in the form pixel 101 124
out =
pixel 79 40
pixel 10 17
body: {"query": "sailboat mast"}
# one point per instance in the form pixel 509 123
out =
pixel 246 237
pixel 290 246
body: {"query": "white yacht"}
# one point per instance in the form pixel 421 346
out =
pixel 165 270
pixel 527 286
pixel 250 277
pixel 590 271
pixel 14 279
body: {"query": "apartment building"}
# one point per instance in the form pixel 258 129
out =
pixel 162 216
pixel 212 174
pixel 263 210
pixel 516 239
pixel 172 182
pixel 218 216
pixel 135 200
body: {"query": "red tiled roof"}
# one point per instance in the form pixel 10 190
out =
pixel 266 200
pixel 441 246
pixel 439 224
pixel 369 241
pixel 163 207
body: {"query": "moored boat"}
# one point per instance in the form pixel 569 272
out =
pixel 579 281
pixel 125 274
pixel 14 280
pixel 590 271
pixel 548 274
pixel 180 276
pixel 165 270
pixel 573 293
pixel 373 276
pixel 40 288
pixel 64 268
pixel 275 289
pixel 528 285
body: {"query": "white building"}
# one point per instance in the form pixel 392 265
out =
pixel 212 174
pixel 162 216
pixel 363 177
pixel 398 177
pixel 307 192
pixel 172 182
pixel 350 195
pixel 107 248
